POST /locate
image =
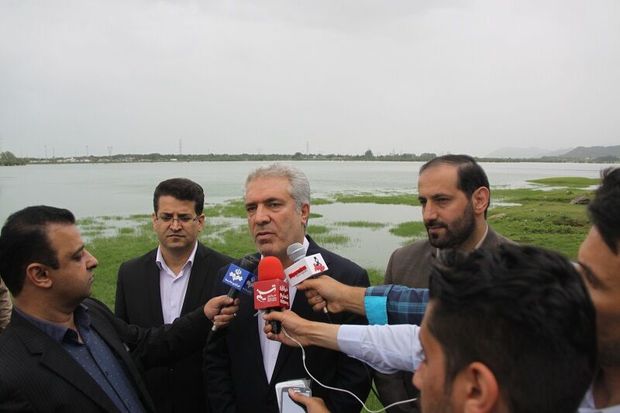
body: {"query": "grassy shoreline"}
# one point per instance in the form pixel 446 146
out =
pixel 541 215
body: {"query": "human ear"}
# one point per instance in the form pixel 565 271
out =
pixel 305 213
pixel 480 389
pixel 480 199
pixel 37 275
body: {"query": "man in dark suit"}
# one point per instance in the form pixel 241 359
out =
pixel 242 366
pixel 63 351
pixel 455 194
pixel 168 282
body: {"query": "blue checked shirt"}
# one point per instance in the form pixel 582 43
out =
pixel 395 304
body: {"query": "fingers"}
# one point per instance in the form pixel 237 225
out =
pixel 312 404
pixel 316 302
pixel 231 308
pixel 309 284
pixel 222 320
pixel 275 315
pixel 221 304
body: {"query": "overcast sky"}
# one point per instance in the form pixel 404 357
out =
pixel 328 76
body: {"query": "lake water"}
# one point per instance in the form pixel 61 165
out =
pixel 127 188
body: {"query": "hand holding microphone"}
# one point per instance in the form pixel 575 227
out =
pixel 271 289
pixel 240 279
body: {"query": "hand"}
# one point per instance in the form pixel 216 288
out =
pixel 308 333
pixel 295 326
pixel 312 404
pixel 221 310
pixel 325 292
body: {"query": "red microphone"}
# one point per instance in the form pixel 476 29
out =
pixel 271 289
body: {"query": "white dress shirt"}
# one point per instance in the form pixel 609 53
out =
pixel 271 348
pixel 386 348
pixel 587 405
pixel 173 286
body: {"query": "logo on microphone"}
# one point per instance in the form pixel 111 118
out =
pixel 237 278
pixel 318 266
pixel 236 275
pixel 265 296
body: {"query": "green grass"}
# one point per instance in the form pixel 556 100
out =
pixel 375 275
pixel 314 230
pixel 544 218
pixel 86 221
pixel 574 182
pixel 362 224
pixel 408 229
pixel 329 240
pixel 230 209
pixel 400 199
pixel 110 253
pixel 140 216
pixel 321 201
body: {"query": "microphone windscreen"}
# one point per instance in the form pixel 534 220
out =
pixel 270 268
pixel 295 252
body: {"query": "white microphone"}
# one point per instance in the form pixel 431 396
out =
pixel 303 267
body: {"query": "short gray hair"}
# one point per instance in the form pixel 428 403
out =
pixel 299 186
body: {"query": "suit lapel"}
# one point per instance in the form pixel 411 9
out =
pixel 110 336
pixel 153 292
pixel 53 357
pixel 197 280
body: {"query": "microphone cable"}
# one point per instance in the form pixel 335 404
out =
pixel 303 360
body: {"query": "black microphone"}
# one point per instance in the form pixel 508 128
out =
pixel 240 277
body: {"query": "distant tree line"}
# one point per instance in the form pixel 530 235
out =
pixel 368 155
pixel 8 159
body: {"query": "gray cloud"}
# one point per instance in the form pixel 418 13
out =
pixel 344 76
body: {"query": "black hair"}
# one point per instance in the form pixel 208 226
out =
pixel 182 189
pixel 24 240
pixel 471 176
pixel 604 210
pixel 525 313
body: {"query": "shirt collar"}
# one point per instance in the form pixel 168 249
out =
pixel 58 331
pixel 161 263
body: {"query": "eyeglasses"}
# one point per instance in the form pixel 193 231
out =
pixel 181 219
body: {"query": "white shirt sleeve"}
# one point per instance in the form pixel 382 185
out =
pixel 386 348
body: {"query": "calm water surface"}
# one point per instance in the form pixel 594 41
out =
pixel 127 188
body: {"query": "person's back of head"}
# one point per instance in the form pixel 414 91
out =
pixel 24 240
pixel 604 208
pixel 524 313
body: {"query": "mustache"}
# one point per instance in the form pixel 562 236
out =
pixel 434 223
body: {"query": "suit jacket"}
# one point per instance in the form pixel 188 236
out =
pixel 177 387
pixel 234 372
pixel 38 375
pixel 411 266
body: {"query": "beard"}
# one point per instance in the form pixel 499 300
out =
pixel 456 233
